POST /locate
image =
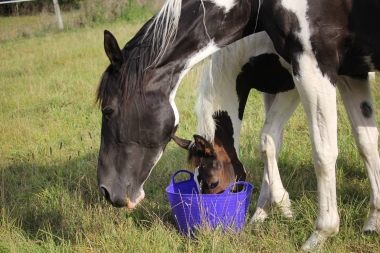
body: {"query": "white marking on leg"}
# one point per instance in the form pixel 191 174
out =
pixel 278 115
pixel 318 97
pixel 264 202
pixel 353 92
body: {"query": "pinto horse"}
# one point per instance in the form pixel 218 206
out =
pixel 254 69
pixel 320 39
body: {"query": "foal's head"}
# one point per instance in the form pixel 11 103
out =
pixel 217 162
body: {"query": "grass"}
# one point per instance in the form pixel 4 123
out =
pixel 37 25
pixel 50 127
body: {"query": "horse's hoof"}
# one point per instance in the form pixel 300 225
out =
pixel 372 225
pixel 288 215
pixel 370 232
pixel 259 216
pixel 314 243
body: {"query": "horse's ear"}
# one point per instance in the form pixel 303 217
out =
pixel 113 50
pixel 203 145
pixel 181 142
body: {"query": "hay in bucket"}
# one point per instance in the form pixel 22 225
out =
pixel 192 209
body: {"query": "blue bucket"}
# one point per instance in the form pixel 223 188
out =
pixel 191 209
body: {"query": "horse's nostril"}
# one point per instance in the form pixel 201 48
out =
pixel 117 199
pixel 105 192
pixel 214 184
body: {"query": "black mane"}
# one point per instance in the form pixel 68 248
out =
pixel 139 54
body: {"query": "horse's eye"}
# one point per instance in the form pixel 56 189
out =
pixel 107 111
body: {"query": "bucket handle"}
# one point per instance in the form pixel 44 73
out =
pixel 228 190
pixel 180 171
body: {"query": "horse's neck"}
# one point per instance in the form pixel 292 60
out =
pixel 185 32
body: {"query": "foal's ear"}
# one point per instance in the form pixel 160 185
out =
pixel 113 50
pixel 203 145
pixel 181 142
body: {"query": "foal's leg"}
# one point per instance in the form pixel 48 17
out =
pixel 272 190
pixel 356 95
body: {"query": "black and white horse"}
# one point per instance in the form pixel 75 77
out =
pixel 254 63
pixel 321 39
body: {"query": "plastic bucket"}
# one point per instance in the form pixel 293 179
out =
pixel 191 209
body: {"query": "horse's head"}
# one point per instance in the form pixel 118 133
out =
pixel 217 168
pixel 136 127
pixel 137 90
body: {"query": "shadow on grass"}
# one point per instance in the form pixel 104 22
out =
pixel 40 192
pixel 46 196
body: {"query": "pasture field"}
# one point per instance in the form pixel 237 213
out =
pixel 37 25
pixel 49 141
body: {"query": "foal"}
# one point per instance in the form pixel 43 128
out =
pixel 217 165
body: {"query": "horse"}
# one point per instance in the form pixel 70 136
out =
pixel 137 90
pixel 320 39
pixel 254 70
pixel 216 163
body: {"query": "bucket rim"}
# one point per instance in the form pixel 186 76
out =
pixel 247 186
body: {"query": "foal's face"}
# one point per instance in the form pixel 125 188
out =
pixel 215 169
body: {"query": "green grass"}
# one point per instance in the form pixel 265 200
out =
pixel 49 142
pixel 38 25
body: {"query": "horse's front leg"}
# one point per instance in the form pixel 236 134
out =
pixel 272 190
pixel 318 96
pixel 356 96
